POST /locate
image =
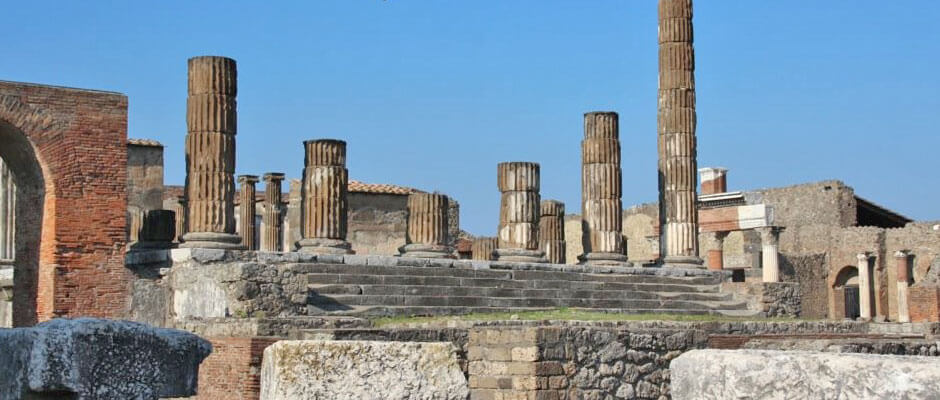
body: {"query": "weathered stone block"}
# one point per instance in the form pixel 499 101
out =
pixel 312 369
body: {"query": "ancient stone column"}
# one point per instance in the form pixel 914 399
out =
pixel 247 210
pixel 678 212
pixel 552 230
pixel 482 248
pixel 325 185
pixel 180 209
pixel 902 259
pixel 769 238
pixel 716 253
pixel 210 154
pixel 7 212
pixel 864 286
pixel 601 207
pixel 428 227
pixel 518 234
pixel 271 234
pixel 157 230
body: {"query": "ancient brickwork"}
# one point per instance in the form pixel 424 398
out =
pixel 233 370
pixel 325 189
pixel 924 303
pixel 428 229
pixel 552 230
pixel 247 211
pixel 601 190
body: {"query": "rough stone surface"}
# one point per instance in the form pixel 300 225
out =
pixel 766 374
pixel 98 359
pixel 361 370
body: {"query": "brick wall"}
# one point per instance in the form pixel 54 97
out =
pixel 924 302
pixel 233 370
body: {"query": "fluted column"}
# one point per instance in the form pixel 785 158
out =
pixel 7 213
pixel 601 190
pixel 247 210
pixel 324 196
pixel 769 237
pixel 428 227
pixel 210 153
pixel 552 230
pixel 180 209
pixel 271 234
pixel 677 154
pixel 482 248
pixel 518 234
pixel 864 286
pixel 902 259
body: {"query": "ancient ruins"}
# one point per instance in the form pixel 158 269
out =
pixel 318 285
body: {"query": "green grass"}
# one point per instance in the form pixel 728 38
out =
pixel 564 314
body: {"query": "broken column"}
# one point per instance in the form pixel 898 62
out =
pixel 552 230
pixel 518 234
pixel 247 210
pixel 769 238
pixel 902 259
pixel 210 154
pixel 271 234
pixel 864 286
pixel 157 230
pixel 427 234
pixel 716 253
pixel 325 205
pixel 180 209
pixel 601 189
pixel 677 155
pixel 482 248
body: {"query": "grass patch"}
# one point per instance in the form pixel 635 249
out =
pixel 564 314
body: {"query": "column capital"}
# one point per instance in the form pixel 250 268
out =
pixel 863 256
pixel 244 179
pixel 901 253
pixel 273 176
pixel 769 234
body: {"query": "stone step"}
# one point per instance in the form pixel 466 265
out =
pixel 389 311
pixel 351 289
pixel 415 280
pixel 340 302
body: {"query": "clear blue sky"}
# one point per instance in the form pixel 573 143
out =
pixel 433 94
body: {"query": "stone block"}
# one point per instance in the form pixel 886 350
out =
pixel 766 374
pixel 311 369
pixel 98 359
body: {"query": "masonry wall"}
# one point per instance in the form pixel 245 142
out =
pixel 377 222
pixel 144 183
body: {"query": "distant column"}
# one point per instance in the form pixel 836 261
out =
pixel 518 238
pixel 678 210
pixel 247 210
pixel 428 227
pixel 210 153
pixel 601 190
pixel 271 235
pixel 864 286
pixel 902 259
pixel 324 192
pixel 180 209
pixel 769 237
pixel 552 230
pixel 293 225
pixel 482 248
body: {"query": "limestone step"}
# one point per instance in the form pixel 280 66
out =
pixel 429 290
pixel 388 311
pixel 340 302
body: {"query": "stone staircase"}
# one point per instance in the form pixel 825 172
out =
pixel 373 290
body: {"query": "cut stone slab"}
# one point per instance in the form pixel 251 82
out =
pixel 768 374
pixel 98 359
pixel 314 369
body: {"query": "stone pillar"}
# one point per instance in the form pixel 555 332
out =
pixel 714 180
pixel 482 248
pixel 180 209
pixel 864 286
pixel 552 230
pixel 902 259
pixel 157 230
pixel 769 238
pixel 292 231
pixel 518 234
pixel 601 188
pixel 678 211
pixel 7 213
pixel 716 253
pixel 247 210
pixel 271 235
pixel 428 227
pixel 325 185
pixel 210 154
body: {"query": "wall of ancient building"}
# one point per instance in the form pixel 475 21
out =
pixel 377 222
pixel 144 182
pixel 829 203
pixel 922 241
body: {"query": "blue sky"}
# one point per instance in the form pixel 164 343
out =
pixel 433 94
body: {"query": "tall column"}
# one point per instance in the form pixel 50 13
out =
pixel 271 234
pixel 769 238
pixel 325 185
pixel 247 210
pixel 601 189
pixel 518 234
pixel 428 227
pixel 678 212
pixel 210 153
pixel 902 259
pixel 552 230
pixel 864 286
pixel 482 248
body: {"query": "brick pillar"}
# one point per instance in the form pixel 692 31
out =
pixel 903 270
pixel 210 153
pixel 714 180
pixel 482 248
pixel 518 235
pixel 769 237
pixel 864 286
pixel 552 230
pixel 428 227
pixel 271 234
pixel 247 210
pixel 601 190
pixel 716 253
pixel 325 205
pixel 678 211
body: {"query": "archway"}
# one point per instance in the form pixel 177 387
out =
pixel 28 202
pixel 846 292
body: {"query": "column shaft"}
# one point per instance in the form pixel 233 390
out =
pixel 902 258
pixel 601 190
pixel 482 248
pixel 552 230
pixel 864 286
pixel 769 255
pixel 271 234
pixel 428 227
pixel 248 211
pixel 6 212
pixel 325 188
pixel 181 210
pixel 518 233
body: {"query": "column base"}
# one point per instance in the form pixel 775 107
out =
pixel 212 240
pixel 419 250
pixel 520 255
pixel 324 246
pixel 683 262
pixel 603 259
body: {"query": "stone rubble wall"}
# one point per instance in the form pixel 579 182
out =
pixel 776 299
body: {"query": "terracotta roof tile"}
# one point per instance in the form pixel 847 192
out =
pixel 380 188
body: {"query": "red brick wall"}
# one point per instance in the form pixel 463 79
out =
pixel 924 304
pixel 233 370
pixel 79 138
